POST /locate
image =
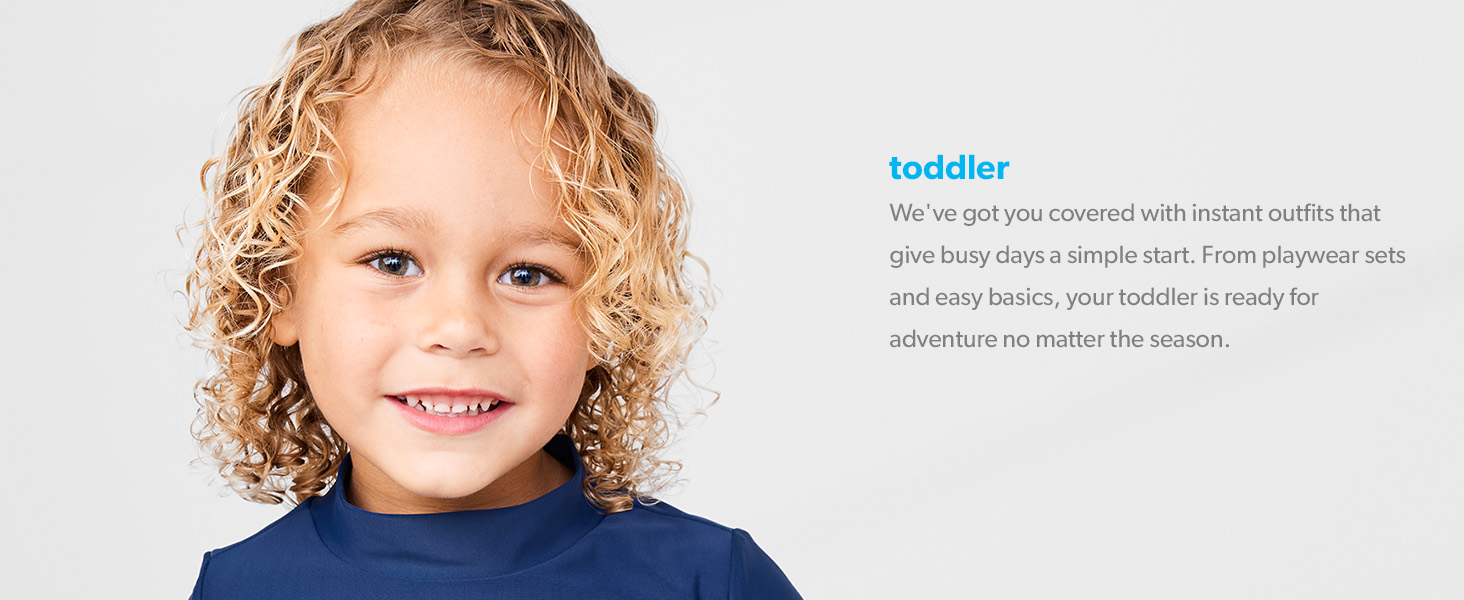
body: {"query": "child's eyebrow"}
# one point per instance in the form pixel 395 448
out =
pixel 405 219
pixel 539 235
pixel 410 219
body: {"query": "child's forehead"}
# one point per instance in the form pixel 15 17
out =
pixel 479 103
pixel 432 146
pixel 426 109
pixel 426 70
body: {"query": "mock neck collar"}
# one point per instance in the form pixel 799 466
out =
pixel 470 544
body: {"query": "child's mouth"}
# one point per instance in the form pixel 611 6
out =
pixel 444 407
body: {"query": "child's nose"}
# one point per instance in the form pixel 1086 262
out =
pixel 459 321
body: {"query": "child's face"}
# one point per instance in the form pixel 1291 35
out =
pixel 443 268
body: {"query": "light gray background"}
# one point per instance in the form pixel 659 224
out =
pixel 1318 457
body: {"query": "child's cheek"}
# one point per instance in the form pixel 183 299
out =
pixel 348 332
pixel 551 344
pixel 573 354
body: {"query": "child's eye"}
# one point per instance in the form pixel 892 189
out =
pixel 528 276
pixel 395 263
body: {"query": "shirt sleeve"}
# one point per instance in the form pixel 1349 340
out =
pixel 754 575
pixel 198 587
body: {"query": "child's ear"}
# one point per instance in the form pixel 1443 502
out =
pixel 282 328
pixel 590 361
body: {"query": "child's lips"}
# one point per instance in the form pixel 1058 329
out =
pixel 451 400
pixel 450 406
pixel 451 411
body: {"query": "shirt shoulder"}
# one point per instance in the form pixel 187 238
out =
pixel 289 545
pixel 664 529
pixel 292 533
pixel 661 535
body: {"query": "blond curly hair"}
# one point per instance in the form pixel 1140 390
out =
pixel 642 312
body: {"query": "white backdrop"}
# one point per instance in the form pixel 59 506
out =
pixel 1319 456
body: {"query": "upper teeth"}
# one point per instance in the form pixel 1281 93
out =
pixel 450 407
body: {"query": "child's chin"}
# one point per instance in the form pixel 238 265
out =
pixel 444 482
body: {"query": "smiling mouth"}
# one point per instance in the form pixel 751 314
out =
pixel 450 407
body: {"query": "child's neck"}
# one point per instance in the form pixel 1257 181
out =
pixel 370 489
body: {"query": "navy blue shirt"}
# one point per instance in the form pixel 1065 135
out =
pixel 557 546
